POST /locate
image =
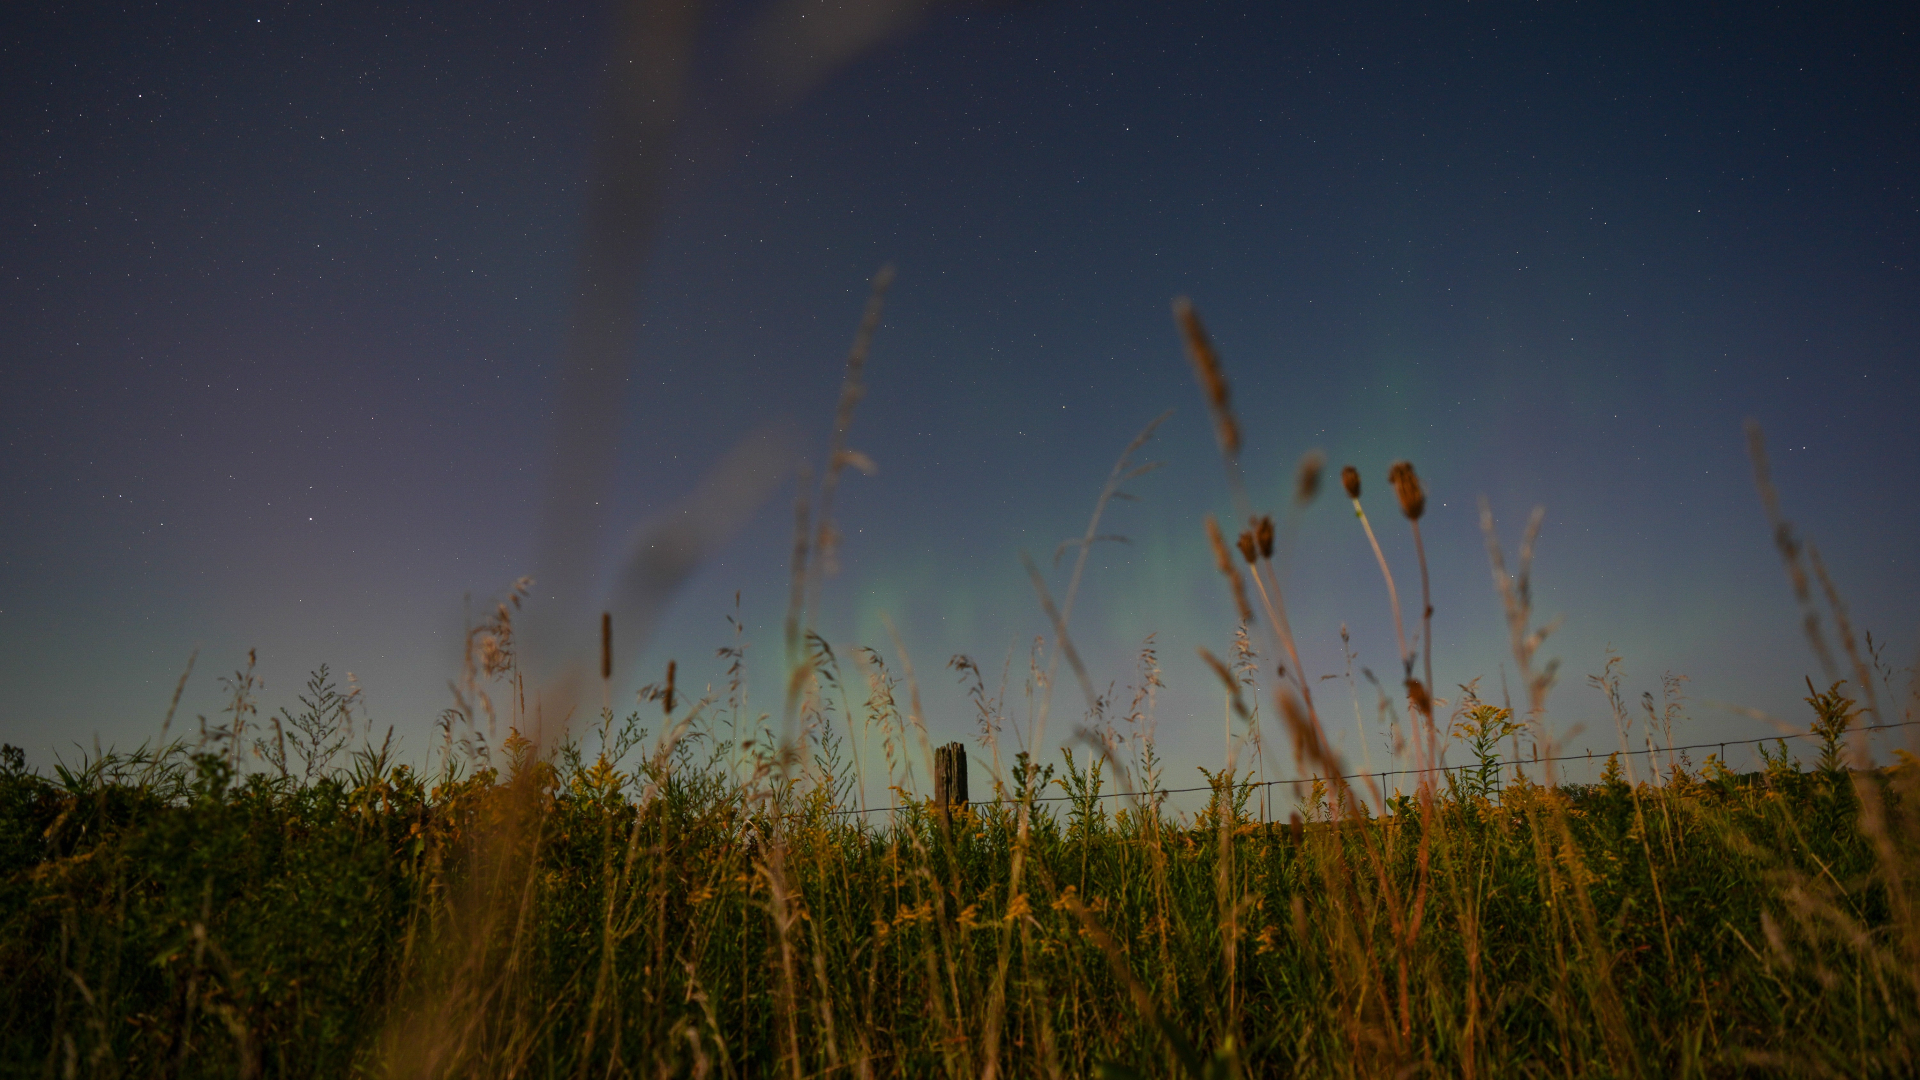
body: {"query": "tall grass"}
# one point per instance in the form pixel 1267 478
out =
pixel 164 916
pixel 691 892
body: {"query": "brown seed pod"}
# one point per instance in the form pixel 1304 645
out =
pixel 1413 499
pixel 1306 480
pixel 1264 533
pixel 1350 477
pixel 1246 547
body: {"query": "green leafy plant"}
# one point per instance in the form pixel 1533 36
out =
pixel 1482 726
pixel 1834 714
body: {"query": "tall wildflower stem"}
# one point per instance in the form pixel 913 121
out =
pixel 1276 608
pixel 1413 504
pixel 1426 639
pixel 1350 479
pixel 1393 594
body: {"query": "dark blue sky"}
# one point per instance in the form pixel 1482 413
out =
pixel 285 291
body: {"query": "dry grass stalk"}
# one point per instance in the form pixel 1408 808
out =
pixel 797 561
pixel 1267 583
pixel 815 559
pixel 1312 749
pixel 1843 623
pixel 1413 503
pixel 1213 380
pixel 1789 547
pixel 1213 386
pixel 1350 479
pixel 1823 918
pixel 1547 818
pixel 1122 471
pixel 1220 670
pixel 1224 562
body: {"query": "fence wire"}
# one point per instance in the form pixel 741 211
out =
pixel 1503 764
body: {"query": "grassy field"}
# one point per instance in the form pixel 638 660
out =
pixel 697 889
pixel 577 914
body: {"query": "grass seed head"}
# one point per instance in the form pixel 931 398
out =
pixel 1413 499
pixel 1350 478
pixel 1247 549
pixel 1306 480
pixel 1263 532
pixel 1225 562
pixel 1206 368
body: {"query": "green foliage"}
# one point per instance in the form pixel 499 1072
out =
pixel 1227 800
pixel 1833 714
pixel 1612 777
pixel 611 908
pixel 1482 726
pixel 1030 779
pixel 1085 818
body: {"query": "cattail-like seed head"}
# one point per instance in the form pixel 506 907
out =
pixel 1263 532
pixel 606 645
pixel 1306 481
pixel 1231 571
pixel 1206 368
pixel 1413 499
pixel 1350 478
pixel 666 699
pixel 1246 547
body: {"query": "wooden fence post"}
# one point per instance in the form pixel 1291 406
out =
pixel 949 777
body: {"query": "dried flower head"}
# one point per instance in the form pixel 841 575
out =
pixel 1227 567
pixel 1263 532
pixel 494 657
pixel 1413 500
pixel 1306 480
pixel 1247 550
pixel 1350 478
pixel 1206 368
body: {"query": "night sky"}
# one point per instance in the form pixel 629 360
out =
pixel 289 292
